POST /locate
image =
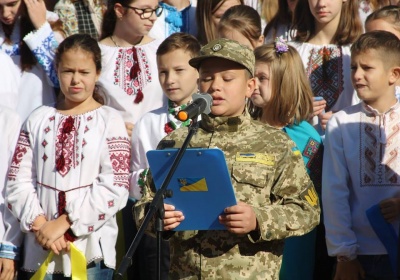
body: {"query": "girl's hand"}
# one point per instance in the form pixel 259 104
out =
pixel 318 107
pixel 390 209
pixel 59 245
pixel 239 219
pixel 51 231
pixel 37 12
pixel 7 268
pixel 350 270
pixel 324 118
pixel 38 222
pixel 172 218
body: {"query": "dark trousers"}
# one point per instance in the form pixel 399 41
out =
pixel 144 265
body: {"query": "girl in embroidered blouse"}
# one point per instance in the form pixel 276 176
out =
pixel 26 34
pixel 283 99
pixel 243 24
pixel 129 58
pixel 208 14
pixel 325 30
pixel 69 174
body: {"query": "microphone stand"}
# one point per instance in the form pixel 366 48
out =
pixel 157 207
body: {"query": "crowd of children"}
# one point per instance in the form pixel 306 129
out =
pixel 305 107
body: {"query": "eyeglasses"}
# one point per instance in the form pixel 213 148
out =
pixel 146 13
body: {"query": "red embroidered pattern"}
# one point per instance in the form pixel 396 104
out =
pixel 21 149
pixel 66 145
pixel 132 72
pixel 325 72
pixel 119 150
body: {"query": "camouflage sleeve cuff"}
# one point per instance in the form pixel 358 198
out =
pixel 255 235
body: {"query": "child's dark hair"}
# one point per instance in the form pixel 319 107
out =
pixel 390 14
pixel 244 19
pixel 180 41
pixel 282 17
pixel 349 28
pixel 27 58
pixel 384 42
pixel 110 18
pixel 86 43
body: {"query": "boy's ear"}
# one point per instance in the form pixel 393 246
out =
pixel 395 75
pixel 251 86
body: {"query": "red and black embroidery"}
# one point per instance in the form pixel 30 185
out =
pixel 379 156
pixel 69 235
pixel 119 151
pixel 23 145
pixel 110 203
pixel 66 156
pixel 133 65
pixel 325 72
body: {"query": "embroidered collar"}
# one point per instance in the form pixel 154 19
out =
pixel 372 111
pixel 173 123
pixel 212 123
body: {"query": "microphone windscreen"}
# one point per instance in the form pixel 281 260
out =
pixel 207 97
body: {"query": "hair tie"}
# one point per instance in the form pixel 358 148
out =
pixel 281 46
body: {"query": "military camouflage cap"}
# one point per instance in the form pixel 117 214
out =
pixel 227 49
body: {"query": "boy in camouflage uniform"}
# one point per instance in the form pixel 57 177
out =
pixel 276 198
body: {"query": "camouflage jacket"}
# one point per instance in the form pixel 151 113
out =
pixel 277 187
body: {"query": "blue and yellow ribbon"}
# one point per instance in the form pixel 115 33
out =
pixel 78 265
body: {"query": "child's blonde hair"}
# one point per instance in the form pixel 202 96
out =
pixel 180 41
pixel 291 98
pixel 349 28
pixel 390 14
pixel 243 19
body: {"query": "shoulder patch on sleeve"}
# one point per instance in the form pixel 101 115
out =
pixel 255 157
pixel 311 196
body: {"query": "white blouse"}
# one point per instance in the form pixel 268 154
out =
pixel 119 64
pixel 36 85
pixel 86 157
pixel 10 233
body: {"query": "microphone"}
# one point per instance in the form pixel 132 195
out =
pixel 201 105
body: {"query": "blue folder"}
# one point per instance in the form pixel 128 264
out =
pixel 386 233
pixel 201 185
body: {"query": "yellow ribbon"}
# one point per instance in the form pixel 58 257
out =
pixel 78 265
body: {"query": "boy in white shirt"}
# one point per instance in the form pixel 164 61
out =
pixel 179 81
pixel 361 166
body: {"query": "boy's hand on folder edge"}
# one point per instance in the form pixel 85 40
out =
pixel 172 218
pixel 390 209
pixel 239 219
